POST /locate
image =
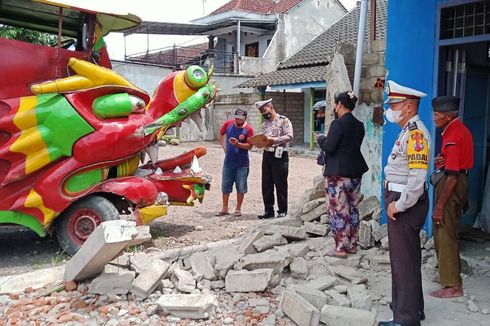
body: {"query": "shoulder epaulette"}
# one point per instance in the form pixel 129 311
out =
pixel 412 126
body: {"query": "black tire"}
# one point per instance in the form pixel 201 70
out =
pixel 79 220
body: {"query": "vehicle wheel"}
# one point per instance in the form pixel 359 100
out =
pixel 76 223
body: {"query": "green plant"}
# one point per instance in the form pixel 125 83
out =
pixel 27 35
pixel 134 249
pixel 59 257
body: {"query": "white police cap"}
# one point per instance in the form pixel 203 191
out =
pixel 398 93
pixel 260 105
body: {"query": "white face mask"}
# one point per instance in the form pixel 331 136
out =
pixel 393 116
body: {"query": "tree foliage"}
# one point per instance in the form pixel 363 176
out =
pixel 27 35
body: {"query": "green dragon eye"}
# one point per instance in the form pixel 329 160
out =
pixel 196 76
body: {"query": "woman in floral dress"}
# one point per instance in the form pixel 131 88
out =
pixel 343 171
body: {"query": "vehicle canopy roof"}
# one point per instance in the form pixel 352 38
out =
pixel 42 15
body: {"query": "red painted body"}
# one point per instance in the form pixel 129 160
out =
pixel 26 64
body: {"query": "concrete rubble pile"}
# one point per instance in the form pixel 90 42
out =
pixel 275 273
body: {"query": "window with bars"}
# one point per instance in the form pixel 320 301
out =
pixel 465 20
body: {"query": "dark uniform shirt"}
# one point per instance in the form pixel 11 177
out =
pixel 457 147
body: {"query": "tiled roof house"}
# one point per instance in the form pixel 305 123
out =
pixel 309 63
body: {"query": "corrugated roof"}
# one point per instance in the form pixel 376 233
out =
pixel 257 6
pixel 318 51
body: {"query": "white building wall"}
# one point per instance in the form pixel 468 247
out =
pixel 307 20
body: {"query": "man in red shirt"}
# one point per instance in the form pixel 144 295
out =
pixel 233 138
pixel 451 193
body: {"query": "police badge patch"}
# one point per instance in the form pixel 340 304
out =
pixel 417 151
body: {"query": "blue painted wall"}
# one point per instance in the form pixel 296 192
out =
pixel 411 37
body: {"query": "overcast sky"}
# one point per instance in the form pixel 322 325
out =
pixel 180 11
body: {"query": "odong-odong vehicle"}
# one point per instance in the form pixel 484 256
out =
pixel 73 132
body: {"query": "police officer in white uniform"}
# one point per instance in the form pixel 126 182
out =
pixel 275 160
pixel 406 203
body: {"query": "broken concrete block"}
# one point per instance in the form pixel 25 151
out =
pixel 289 232
pixel 143 235
pixel 367 207
pixel 188 306
pixel 201 265
pixel 315 297
pixel 311 194
pixel 320 244
pixel 348 273
pixel 359 297
pixel 324 219
pixel 183 280
pixel 34 280
pixel 321 283
pixel 343 316
pixel 299 309
pixel 248 281
pixel 423 238
pixel 167 284
pixel 287 221
pixel 353 260
pixel 380 262
pixel 315 213
pixel 342 289
pixel 112 283
pixel 150 278
pixel 224 259
pixel 102 246
pixel 380 232
pixel 299 268
pixel 122 260
pixel 276 260
pixel 309 206
pixel 385 243
pixel 269 241
pixel 337 299
pixel 298 249
pixel 109 268
pixel 365 238
pixel 429 244
pixel 246 246
pixel 139 262
pixel 316 228
pixel 217 284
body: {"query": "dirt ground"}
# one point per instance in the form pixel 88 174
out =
pixel 179 226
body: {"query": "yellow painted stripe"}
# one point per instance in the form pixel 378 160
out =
pixel 181 90
pixel 30 142
pixel 34 200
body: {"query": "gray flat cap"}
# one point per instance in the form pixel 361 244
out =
pixel 445 104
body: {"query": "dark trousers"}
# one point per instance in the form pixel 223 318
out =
pixel 446 235
pixel 405 257
pixel 275 174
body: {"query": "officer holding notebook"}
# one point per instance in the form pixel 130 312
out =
pixel 275 160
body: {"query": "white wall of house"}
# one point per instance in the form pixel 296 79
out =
pixel 307 20
pixel 299 26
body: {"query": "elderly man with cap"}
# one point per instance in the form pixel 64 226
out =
pixel 451 193
pixel 406 203
pixel 236 165
pixel 275 161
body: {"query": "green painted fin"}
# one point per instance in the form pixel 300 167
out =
pixel 26 220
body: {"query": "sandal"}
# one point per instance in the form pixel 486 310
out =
pixel 335 254
pixel 237 214
pixel 222 213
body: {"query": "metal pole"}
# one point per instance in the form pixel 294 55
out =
pixel 312 100
pixel 455 72
pixel 238 32
pixel 360 44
